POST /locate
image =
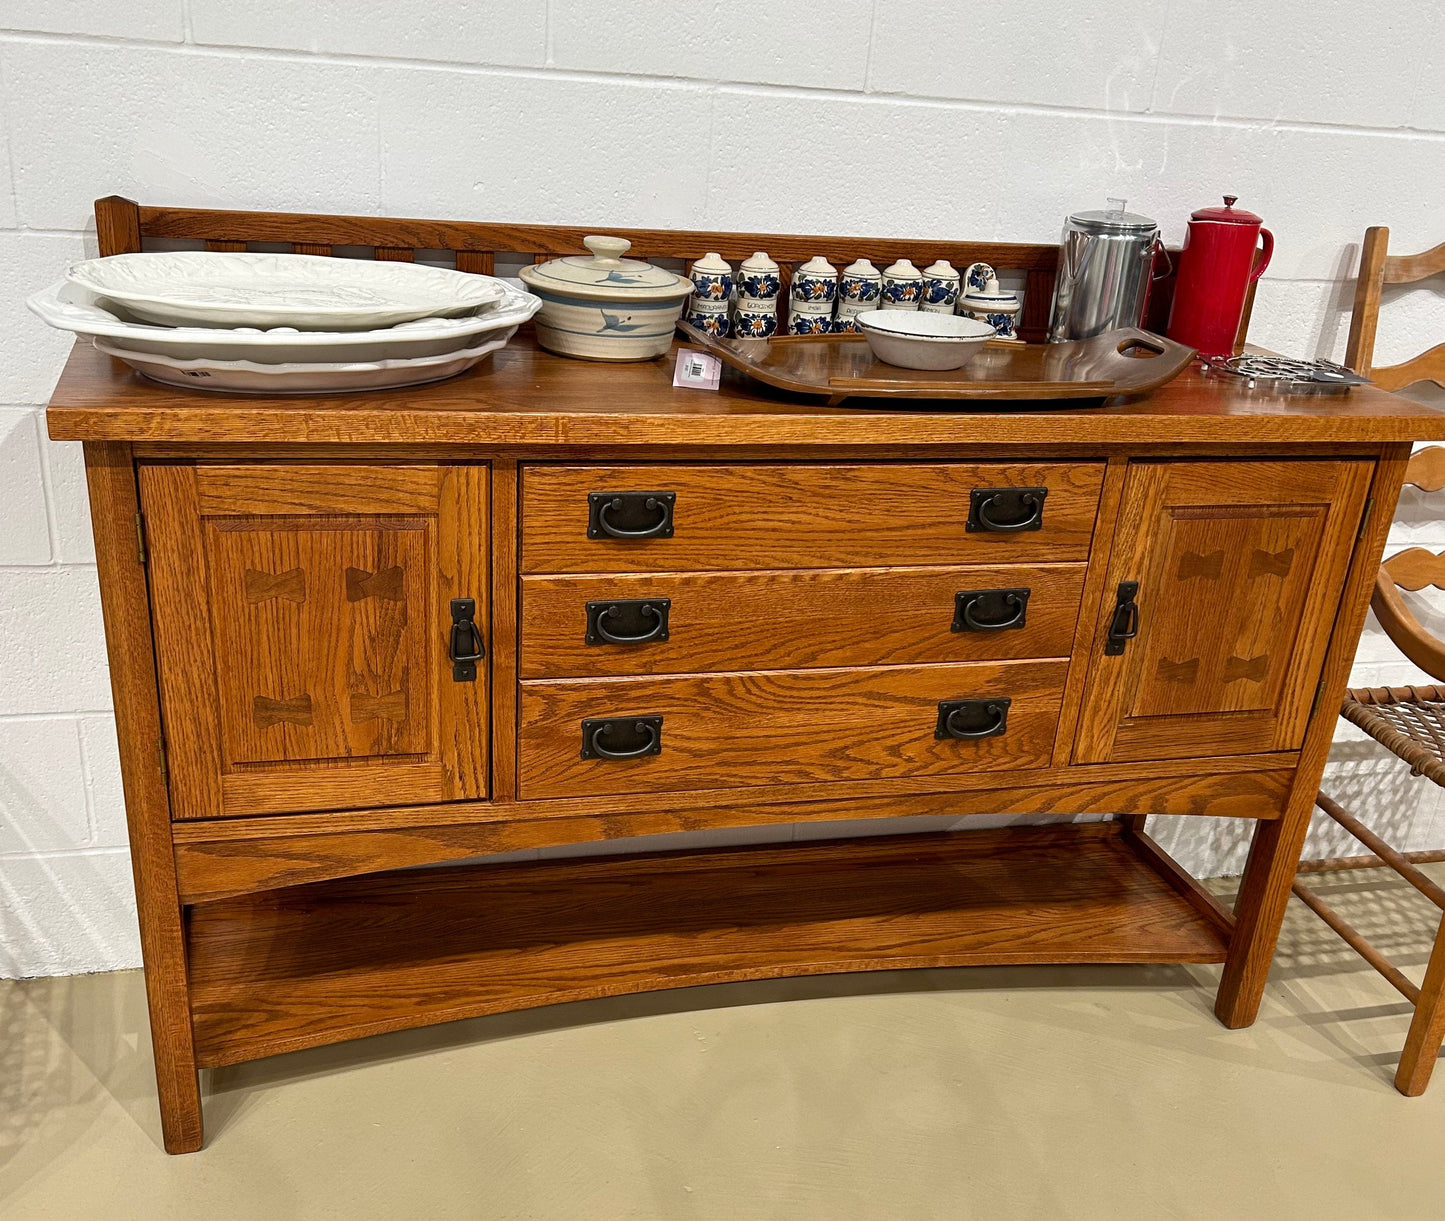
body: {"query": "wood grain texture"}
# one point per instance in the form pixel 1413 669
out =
pixel 799 726
pixel 788 620
pixel 1239 568
pixel 1428 366
pixel 505 648
pixel 521 396
pixel 804 516
pixel 288 854
pixel 110 476
pixel 1408 268
pixel 1275 849
pixel 316 964
pixel 342 689
pixel 1427 1026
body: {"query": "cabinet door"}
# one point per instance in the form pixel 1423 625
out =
pixel 1239 567
pixel 303 621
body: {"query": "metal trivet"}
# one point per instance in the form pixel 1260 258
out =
pixel 1285 373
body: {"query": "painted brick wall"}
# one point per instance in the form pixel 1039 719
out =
pixel 918 117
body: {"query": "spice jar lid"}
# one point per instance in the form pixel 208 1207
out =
pixel 712 261
pixel 1112 219
pixel 991 296
pixel 606 275
pixel 1229 214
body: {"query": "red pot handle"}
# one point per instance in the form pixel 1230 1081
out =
pixel 1261 258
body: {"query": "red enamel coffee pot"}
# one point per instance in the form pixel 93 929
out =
pixel 1221 258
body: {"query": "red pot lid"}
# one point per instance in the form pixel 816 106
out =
pixel 1229 214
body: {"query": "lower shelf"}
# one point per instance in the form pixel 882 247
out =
pixel 294 968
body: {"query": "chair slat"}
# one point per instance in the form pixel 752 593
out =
pixel 1416 568
pixel 1407 268
pixel 1427 367
pixel 1426 468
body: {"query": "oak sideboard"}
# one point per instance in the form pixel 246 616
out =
pixel 552 602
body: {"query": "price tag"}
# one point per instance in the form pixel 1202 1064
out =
pixel 697 370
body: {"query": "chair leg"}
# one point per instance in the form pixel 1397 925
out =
pixel 1427 1028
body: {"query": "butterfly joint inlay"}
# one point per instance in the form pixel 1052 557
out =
pixel 263 586
pixel 390 707
pixel 1193 564
pixel 387 584
pixel 293 711
pixel 1253 669
pixel 1271 563
pixel 1177 671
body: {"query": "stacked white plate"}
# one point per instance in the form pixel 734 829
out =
pixel 285 323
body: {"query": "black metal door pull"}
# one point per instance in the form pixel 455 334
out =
pixel 630 515
pixel 990 610
pixel 968 719
pixel 1006 510
pixel 466 642
pixel 627 620
pixel 1124 626
pixel 621 737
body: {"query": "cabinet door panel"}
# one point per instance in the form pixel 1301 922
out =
pixel 1239 567
pixel 302 618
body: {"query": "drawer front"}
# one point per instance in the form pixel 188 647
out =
pixel 595 519
pixel 732 730
pixel 688 622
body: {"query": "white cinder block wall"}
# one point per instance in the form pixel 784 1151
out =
pixel 920 118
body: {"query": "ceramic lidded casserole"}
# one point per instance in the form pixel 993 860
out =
pixel 604 307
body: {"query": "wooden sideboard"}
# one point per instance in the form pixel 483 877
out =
pixel 695 610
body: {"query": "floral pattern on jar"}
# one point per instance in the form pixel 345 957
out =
pixel 760 285
pixel 755 326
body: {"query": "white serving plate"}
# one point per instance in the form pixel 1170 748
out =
pixel 923 341
pixel 68 308
pixel 329 378
pixel 313 292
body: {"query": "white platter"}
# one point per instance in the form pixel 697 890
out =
pixel 252 378
pixel 314 292
pixel 68 308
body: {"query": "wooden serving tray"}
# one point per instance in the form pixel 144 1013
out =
pixel 1123 362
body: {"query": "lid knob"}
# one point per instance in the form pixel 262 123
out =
pixel 607 251
pixel 1116 205
pixel 1229 200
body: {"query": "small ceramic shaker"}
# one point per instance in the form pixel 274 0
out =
pixel 712 284
pixel 858 293
pixel 940 288
pixel 758 286
pixel 810 300
pixel 992 304
pixel 902 285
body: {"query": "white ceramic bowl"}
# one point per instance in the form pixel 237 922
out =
pixel 249 377
pixel 313 292
pixel 69 308
pixel 923 341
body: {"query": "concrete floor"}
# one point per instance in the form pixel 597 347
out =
pixel 995 1092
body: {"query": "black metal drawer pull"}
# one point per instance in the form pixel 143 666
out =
pixel 621 737
pixel 967 719
pixel 627 620
pixel 466 642
pixel 1124 626
pixel 990 610
pixel 630 514
pixel 1006 510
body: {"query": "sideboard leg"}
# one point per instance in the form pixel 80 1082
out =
pixel 110 476
pixel 1275 850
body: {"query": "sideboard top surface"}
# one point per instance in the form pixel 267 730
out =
pixel 525 397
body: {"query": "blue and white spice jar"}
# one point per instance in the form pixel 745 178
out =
pixel 710 317
pixel 940 288
pixel 862 284
pixel 815 283
pixel 758 279
pixel 902 285
pixel 756 319
pixel 992 304
pixel 810 318
pixel 712 279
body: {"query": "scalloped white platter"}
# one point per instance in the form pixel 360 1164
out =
pixel 69 308
pixel 249 377
pixel 308 291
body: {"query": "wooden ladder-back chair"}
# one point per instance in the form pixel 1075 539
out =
pixel 1376 270
pixel 1410 722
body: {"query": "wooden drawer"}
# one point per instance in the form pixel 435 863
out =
pixel 803 516
pixel 789 620
pixel 792 726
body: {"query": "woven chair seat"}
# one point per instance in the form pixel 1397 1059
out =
pixel 1408 721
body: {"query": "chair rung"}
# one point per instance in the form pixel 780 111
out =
pixel 1351 936
pixel 1395 860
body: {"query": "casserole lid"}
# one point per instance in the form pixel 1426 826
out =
pixel 1229 214
pixel 604 275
